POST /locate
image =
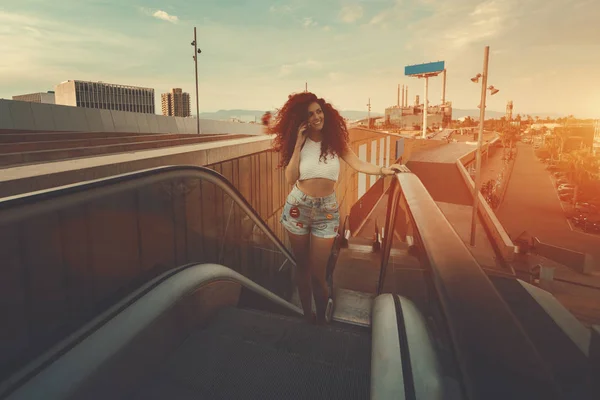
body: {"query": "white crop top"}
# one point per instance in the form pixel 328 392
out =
pixel 311 166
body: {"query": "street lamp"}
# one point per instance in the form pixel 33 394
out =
pixel 369 114
pixel 196 52
pixel 493 91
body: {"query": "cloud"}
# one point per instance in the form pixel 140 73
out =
pixel 288 69
pixel 337 76
pixel 165 16
pixel 36 62
pixel 326 28
pixel 281 9
pixel 308 22
pixel 351 13
pixel 391 16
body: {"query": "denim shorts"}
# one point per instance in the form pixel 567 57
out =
pixel 303 214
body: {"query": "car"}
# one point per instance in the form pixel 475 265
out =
pixel 560 175
pixel 565 190
pixel 562 181
pixel 566 186
pixel 566 196
pixel 584 207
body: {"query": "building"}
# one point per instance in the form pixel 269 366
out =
pixel 176 103
pixel 509 110
pixel 411 117
pixel 106 96
pixel 596 145
pixel 41 97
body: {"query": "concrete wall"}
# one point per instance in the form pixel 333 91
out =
pixel 52 117
pixel 581 262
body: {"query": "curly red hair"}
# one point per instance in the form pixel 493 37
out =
pixel 293 113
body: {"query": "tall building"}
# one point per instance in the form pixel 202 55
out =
pixel 509 110
pixel 176 103
pixel 41 97
pixel 596 145
pixel 107 96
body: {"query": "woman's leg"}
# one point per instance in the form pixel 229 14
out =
pixel 320 249
pixel 301 248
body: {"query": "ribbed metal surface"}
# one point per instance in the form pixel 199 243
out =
pixel 247 354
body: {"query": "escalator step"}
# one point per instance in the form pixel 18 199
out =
pixel 246 354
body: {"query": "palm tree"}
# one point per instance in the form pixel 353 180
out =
pixel 583 167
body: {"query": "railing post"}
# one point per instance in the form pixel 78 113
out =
pixel 390 222
pixel 595 361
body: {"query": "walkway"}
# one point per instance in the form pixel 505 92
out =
pixel 531 204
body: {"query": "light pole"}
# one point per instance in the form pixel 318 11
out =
pixel 196 52
pixel 493 91
pixel 369 114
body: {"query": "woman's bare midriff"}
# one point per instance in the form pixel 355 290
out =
pixel 316 187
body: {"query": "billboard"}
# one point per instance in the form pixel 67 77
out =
pixel 427 68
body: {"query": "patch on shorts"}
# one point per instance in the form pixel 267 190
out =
pixel 294 212
pixel 300 224
pixel 329 216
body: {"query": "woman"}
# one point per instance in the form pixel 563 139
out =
pixel 311 138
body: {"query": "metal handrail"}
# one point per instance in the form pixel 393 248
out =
pixel 478 321
pixel 67 365
pixel 15 208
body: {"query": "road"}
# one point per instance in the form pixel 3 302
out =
pixel 531 204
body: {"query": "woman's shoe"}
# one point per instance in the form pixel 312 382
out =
pixel 329 310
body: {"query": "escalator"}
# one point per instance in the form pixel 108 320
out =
pixel 222 325
pixel 253 354
pixel 167 283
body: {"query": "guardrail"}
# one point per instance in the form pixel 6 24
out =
pixel 495 358
pixel 70 252
pixel 361 209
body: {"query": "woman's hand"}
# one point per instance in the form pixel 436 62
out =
pixel 390 170
pixel 301 137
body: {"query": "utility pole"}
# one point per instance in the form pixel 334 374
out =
pixel 196 52
pixel 305 87
pixel 425 108
pixel 369 113
pixel 480 139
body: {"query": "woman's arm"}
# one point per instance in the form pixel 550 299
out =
pixel 366 168
pixel 292 171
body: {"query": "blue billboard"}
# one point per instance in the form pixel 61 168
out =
pixel 427 68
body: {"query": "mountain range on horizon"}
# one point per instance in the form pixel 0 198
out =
pixel 251 115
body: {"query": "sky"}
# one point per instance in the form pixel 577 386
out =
pixel 544 54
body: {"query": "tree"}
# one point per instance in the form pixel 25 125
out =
pixel 583 166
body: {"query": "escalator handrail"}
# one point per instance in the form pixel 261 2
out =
pixel 75 359
pixel 25 205
pixel 473 310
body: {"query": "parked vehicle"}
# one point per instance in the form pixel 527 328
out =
pixel 566 196
pixel 562 181
pixel 565 190
pixel 578 220
pixel 585 207
pixel 566 186
pixel 591 226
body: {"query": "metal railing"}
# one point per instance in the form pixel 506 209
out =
pixel 70 252
pixel 494 356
